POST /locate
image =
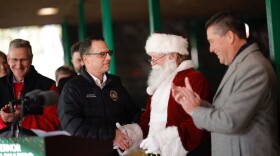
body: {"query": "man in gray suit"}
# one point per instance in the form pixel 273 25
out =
pixel 243 117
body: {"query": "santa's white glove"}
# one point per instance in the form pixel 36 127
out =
pixel 151 145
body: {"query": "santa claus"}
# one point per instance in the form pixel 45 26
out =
pixel 167 129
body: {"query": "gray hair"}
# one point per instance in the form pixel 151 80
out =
pixel 20 43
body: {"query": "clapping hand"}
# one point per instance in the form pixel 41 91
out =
pixel 186 97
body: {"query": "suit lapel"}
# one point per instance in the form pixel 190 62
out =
pixel 233 66
pixel 228 74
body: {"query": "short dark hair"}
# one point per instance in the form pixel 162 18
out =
pixel 65 69
pixel 20 43
pixel 86 44
pixel 3 55
pixel 75 47
pixel 228 21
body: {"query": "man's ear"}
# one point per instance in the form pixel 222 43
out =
pixel 84 59
pixel 230 36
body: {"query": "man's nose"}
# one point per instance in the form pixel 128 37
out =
pixel 153 62
pixel 211 49
pixel 19 63
pixel 108 57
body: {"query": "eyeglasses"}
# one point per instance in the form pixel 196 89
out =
pixel 156 58
pixel 102 54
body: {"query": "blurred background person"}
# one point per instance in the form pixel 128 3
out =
pixel 76 57
pixel 62 75
pixel 4 67
pixel 63 71
pixel 77 65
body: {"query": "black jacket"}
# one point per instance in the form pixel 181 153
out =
pixel 88 111
pixel 33 80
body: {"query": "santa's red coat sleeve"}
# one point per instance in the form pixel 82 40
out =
pixel 190 135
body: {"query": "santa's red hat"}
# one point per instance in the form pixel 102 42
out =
pixel 166 43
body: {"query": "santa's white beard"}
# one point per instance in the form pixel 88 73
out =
pixel 158 74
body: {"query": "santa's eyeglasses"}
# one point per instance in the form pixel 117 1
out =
pixel 155 59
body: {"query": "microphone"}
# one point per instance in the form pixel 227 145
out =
pixel 41 98
pixel 34 101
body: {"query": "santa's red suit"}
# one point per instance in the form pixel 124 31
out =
pixel 166 127
pixel 166 120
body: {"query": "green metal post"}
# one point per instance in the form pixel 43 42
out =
pixel 273 26
pixel 154 15
pixel 107 31
pixel 82 24
pixel 66 42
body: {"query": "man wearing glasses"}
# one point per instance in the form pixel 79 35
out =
pixel 93 102
pixel 167 129
pixel 22 79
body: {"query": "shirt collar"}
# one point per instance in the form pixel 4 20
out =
pixel 97 81
pixel 247 44
pixel 15 81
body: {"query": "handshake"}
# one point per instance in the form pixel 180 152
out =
pixel 131 138
pixel 122 140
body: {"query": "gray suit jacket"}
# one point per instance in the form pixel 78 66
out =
pixel 243 117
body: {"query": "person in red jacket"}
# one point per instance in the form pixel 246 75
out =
pixel 22 79
pixel 168 130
